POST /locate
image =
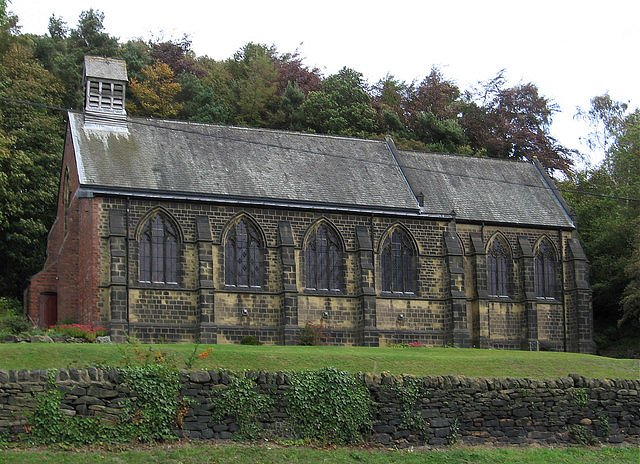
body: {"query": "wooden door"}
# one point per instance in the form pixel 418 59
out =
pixel 48 314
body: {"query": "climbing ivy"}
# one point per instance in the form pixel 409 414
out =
pixel 241 400
pixel 408 392
pixel 329 406
pixel 150 414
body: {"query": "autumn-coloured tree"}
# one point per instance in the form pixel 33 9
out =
pixel 155 95
pixel 513 122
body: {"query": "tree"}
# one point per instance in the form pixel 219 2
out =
pixel 513 122
pixel 606 119
pixel 178 55
pixel 255 85
pixel 201 103
pixel 606 199
pixel 292 71
pixel 63 51
pixel 30 146
pixel 155 95
pixel 342 106
pixel 390 97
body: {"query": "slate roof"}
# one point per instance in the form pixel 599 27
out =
pixel 171 158
pixel 229 162
pixel 105 68
pixel 483 189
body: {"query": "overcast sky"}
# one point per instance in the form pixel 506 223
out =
pixel 571 49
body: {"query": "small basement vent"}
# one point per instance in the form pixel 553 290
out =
pixel 105 86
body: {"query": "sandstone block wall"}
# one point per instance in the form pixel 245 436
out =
pixel 469 410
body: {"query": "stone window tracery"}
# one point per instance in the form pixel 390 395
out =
pixel 398 259
pixel 323 260
pixel 498 268
pixel 158 253
pixel 545 271
pixel 244 256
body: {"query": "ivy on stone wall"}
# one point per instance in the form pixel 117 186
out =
pixel 240 400
pixel 329 406
pixel 150 414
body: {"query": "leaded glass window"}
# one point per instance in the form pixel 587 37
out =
pixel 243 256
pixel 398 263
pixel 158 253
pixel 323 260
pixel 545 271
pixel 498 269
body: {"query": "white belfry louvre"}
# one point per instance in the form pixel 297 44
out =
pixel 105 96
pixel 105 86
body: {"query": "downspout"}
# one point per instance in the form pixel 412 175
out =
pixel 126 264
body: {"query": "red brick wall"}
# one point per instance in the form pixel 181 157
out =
pixel 71 268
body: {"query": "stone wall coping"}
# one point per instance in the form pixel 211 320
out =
pixel 94 374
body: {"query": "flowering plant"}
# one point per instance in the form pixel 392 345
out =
pixel 87 332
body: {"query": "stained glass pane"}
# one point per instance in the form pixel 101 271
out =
pixel 145 257
pixel 398 263
pixel 157 249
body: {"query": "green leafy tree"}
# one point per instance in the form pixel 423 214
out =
pixel 390 98
pixel 255 85
pixel 201 103
pixel 342 106
pixel 607 203
pixel 30 147
pixel 291 107
pixel 136 53
pixel 433 113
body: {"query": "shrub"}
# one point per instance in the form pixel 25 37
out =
pixel 250 340
pixel 83 331
pixel 312 335
pixel 12 321
pixel 10 305
pixel 16 324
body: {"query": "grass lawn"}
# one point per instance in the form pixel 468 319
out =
pixel 415 361
pixel 216 453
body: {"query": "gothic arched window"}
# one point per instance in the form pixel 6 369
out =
pixel 158 254
pixel 243 256
pixel 323 260
pixel 545 270
pixel 398 263
pixel 498 268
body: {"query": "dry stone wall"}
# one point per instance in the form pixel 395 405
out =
pixel 446 409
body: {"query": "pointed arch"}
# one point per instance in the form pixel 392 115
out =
pixel 323 257
pixel 159 241
pixel 545 268
pixel 398 260
pixel 499 264
pixel 244 252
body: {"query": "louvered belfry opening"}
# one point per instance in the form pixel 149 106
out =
pixel 105 85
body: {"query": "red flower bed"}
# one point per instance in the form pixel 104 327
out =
pixel 87 332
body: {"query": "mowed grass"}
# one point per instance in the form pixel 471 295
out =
pixel 414 361
pixel 232 454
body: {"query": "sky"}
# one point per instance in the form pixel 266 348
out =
pixel 572 50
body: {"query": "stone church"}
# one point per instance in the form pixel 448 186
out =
pixel 175 231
